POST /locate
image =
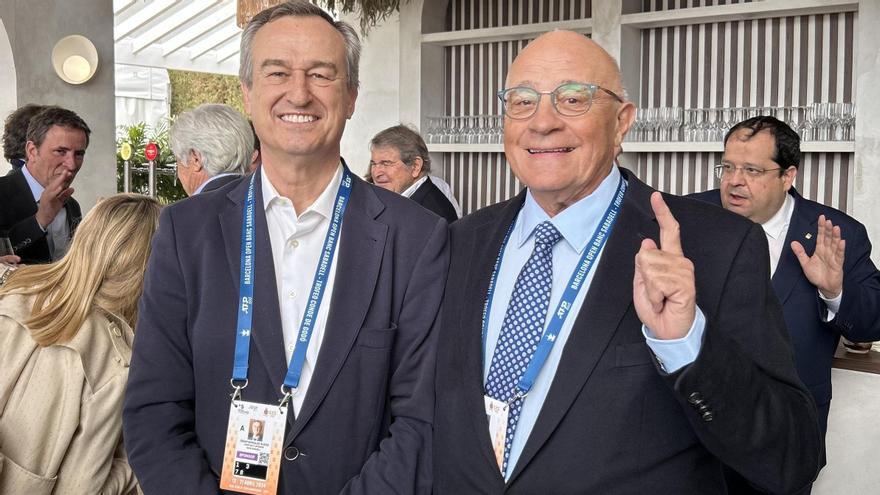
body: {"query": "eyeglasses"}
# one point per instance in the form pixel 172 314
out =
pixel 729 170
pixel 570 100
pixel 384 163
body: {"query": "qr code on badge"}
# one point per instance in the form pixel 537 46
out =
pixel 264 458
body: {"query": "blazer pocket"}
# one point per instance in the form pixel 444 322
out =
pixel 16 479
pixel 377 338
pixel 633 354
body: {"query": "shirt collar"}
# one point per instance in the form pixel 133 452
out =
pixel 577 222
pixel 778 223
pixel 36 188
pixel 415 185
pixel 323 205
pixel 201 187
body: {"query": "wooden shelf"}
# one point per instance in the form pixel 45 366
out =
pixel 665 147
pixel 737 12
pixel 507 33
pixel 866 363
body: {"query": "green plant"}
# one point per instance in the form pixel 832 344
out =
pixel 168 190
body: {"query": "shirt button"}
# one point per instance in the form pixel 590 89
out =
pixel 291 294
pixel 293 243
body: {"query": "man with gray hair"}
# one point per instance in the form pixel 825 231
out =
pixel 305 294
pixel 400 162
pixel 213 144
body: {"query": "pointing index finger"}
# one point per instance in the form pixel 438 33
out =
pixel 670 237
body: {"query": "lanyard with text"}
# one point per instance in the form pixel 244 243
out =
pixel 246 292
pixel 568 296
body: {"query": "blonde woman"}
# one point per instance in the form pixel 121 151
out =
pixel 65 343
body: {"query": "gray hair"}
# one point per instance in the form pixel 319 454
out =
pixel 407 142
pixel 218 133
pixel 298 9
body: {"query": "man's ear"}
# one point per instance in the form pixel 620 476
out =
pixel 626 115
pixel 30 150
pixel 417 165
pixel 789 176
pixel 195 160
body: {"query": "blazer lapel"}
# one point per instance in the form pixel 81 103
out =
pixel 607 301
pixel 479 272
pixel 266 335
pixel 803 229
pixel 359 257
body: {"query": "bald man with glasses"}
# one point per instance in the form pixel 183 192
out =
pixel 597 336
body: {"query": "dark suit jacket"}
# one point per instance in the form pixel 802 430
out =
pixel 18 217
pixel 366 420
pixel 613 422
pixel 432 198
pixel 816 340
pixel 217 183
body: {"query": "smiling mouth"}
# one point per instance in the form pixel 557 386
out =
pixel 537 151
pixel 298 118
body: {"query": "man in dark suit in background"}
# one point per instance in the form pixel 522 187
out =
pixel 820 257
pixel 359 415
pixel 644 373
pixel 213 145
pixel 37 209
pixel 399 162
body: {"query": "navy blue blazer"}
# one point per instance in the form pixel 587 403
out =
pixel 432 198
pixel 814 339
pixel 365 425
pixel 18 220
pixel 613 422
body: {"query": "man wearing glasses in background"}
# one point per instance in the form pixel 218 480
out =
pixel 820 258
pixel 399 162
pixel 597 336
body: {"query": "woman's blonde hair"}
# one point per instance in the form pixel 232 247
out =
pixel 104 267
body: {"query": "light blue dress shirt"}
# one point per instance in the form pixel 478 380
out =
pixel 576 224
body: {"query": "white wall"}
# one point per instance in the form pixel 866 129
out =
pixel 8 101
pixel 377 105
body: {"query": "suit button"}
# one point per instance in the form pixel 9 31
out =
pixel 291 453
pixel 707 416
pixel 695 398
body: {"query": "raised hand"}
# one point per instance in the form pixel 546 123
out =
pixel 824 268
pixel 664 292
pixel 53 197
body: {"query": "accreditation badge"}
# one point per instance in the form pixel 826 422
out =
pixel 496 413
pixel 252 457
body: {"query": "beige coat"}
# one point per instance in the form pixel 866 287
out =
pixel 61 407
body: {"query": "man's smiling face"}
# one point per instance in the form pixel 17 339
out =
pixel 299 100
pixel 563 159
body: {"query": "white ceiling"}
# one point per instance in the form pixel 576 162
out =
pixel 196 35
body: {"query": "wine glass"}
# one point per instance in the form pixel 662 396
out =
pixel 6 247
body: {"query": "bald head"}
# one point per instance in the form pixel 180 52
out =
pixel 570 52
pixel 563 156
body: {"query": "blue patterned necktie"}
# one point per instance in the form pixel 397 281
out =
pixel 523 327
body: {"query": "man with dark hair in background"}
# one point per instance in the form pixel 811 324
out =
pixel 37 208
pixel 15 134
pixel 820 257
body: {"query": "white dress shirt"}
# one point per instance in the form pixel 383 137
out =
pixel 776 230
pixel 413 187
pixel 576 224
pixel 57 232
pixel 297 242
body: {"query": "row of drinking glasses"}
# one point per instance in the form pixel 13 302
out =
pixel 465 129
pixel 815 122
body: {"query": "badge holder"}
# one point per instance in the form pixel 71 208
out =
pixel 255 434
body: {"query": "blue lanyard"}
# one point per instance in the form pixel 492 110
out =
pixel 246 289
pixel 575 283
